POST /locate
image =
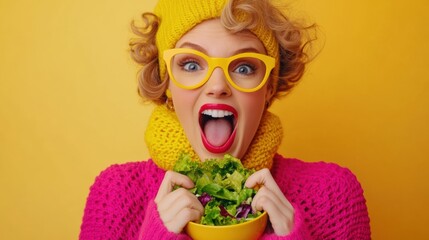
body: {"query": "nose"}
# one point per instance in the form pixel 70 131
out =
pixel 217 85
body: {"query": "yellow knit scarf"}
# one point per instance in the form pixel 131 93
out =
pixel 166 140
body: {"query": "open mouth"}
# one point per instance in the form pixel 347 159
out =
pixel 218 126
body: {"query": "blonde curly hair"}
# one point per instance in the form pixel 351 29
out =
pixel 293 38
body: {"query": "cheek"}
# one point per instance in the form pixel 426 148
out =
pixel 181 97
pixel 253 107
pixel 183 101
pixel 254 103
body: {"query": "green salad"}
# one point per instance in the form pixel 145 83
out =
pixel 219 186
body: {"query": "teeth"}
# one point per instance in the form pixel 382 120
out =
pixel 217 113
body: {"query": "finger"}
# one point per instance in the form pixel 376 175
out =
pixel 267 204
pixel 186 215
pixel 177 200
pixel 263 177
pixel 263 196
pixel 281 217
pixel 170 180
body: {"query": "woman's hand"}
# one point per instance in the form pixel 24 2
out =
pixel 271 199
pixel 177 208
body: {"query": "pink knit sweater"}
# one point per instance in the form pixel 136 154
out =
pixel 328 202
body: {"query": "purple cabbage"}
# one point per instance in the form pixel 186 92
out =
pixel 224 212
pixel 204 199
pixel 243 210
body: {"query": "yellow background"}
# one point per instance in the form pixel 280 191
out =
pixel 69 108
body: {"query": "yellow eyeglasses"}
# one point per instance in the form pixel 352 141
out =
pixel 190 69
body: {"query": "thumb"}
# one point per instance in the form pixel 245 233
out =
pixel 172 179
pixel 261 177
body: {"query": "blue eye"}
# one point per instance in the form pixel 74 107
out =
pixel 191 66
pixel 244 69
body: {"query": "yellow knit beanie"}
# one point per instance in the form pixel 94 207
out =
pixel 177 17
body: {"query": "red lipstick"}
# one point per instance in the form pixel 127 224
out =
pixel 218 110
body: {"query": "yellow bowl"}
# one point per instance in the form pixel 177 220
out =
pixel 249 230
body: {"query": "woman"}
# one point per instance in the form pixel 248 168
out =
pixel 213 67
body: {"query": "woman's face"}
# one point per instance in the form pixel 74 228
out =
pixel 203 112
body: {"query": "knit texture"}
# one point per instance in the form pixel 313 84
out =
pixel 328 202
pixel 166 140
pixel 177 17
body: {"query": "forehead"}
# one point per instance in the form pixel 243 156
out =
pixel 212 36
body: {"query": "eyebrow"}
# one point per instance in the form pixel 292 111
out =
pixel 201 49
pixel 193 46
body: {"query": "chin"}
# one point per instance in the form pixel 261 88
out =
pixel 205 154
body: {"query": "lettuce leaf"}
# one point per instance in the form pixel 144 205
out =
pixel 219 185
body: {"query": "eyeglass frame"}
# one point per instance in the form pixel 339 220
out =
pixel 223 63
